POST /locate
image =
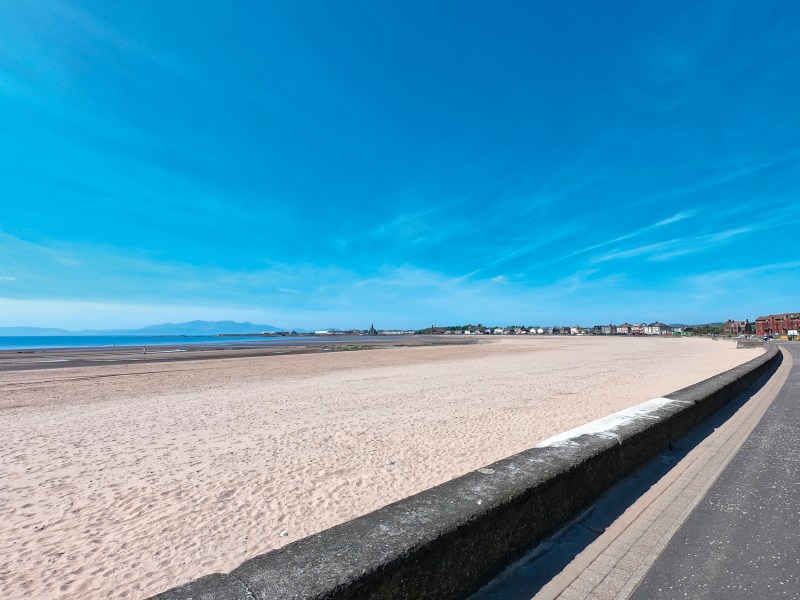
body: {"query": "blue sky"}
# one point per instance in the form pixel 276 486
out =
pixel 318 164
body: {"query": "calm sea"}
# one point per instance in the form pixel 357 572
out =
pixel 100 341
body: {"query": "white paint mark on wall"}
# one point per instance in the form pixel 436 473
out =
pixel 605 426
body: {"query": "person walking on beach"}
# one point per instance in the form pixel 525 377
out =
pixel 144 350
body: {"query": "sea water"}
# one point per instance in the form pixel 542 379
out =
pixel 108 341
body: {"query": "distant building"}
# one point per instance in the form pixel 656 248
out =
pixel 624 329
pixel 657 328
pixel 737 327
pixel 372 330
pixel 777 324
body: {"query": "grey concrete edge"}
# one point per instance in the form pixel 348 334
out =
pixel 448 541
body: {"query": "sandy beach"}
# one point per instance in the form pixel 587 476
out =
pixel 120 481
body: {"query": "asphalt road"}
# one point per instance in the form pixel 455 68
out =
pixel 742 541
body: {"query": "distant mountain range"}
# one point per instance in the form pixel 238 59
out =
pixel 188 328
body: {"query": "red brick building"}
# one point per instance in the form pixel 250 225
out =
pixel 737 327
pixel 777 324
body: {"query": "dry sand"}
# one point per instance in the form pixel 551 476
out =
pixel 122 481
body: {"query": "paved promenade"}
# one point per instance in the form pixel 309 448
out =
pixel 742 541
pixel 718 517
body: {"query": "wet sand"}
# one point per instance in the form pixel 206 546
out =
pixel 55 358
pixel 122 480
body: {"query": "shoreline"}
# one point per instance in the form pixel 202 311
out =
pixel 78 357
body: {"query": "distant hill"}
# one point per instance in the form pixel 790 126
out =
pixel 200 328
pixel 188 328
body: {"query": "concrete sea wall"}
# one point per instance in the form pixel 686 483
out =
pixel 448 541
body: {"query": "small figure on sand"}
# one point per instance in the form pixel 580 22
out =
pixel 144 350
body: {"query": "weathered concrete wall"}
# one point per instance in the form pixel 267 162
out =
pixel 750 343
pixel 448 541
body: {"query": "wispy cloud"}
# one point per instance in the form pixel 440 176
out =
pixel 683 215
pixel 673 248
pixel 743 292
pixel 404 296
pixel 686 214
pixel 722 278
pixel 647 249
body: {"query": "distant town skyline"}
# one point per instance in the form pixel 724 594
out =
pixel 402 164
